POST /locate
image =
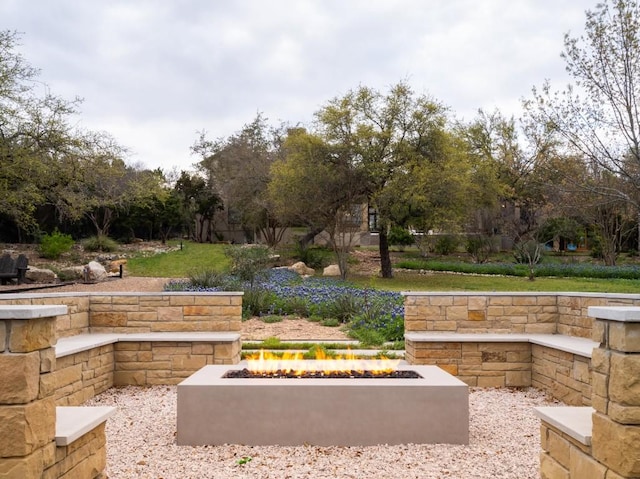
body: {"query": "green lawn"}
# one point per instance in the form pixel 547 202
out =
pixel 198 256
pixel 179 264
pixel 458 282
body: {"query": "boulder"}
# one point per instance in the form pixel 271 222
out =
pixel 302 269
pixel 331 270
pixel 40 275
pixel 114 266
pixel 94 271
pixel 72 273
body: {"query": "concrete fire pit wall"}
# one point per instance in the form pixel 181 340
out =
pixel 139 312
pixel 535 313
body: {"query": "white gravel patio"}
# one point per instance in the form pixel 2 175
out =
pixel 504 443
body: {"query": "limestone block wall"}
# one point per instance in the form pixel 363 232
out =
pixel 138 312
pixel 149 363
pixel 481 313
pixel 542 313
pixel 573 317
pixel 614 451
pixel 85 457
pixel 81 376
pixel 482 364
pixel 74 321
pixel 165 312
pixel 565 376
pixel 564 457
pixel 27 389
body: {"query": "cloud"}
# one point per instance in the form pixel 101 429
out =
pixel 152 73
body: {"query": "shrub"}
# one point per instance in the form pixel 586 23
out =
pixel 100 243
pixel 479 248
pixel 344 307
pixel 400 237
pixel 209 279
pixel 446 244
pixel 54 245
pixel 368 337
pixel 256 301
pixel 271 318
pixel 330 322
pixel 248 262
pixel 315 257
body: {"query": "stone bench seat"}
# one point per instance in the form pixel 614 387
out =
pixel 84 342
pixel 570 344
pixel 73 422
pixel 574 421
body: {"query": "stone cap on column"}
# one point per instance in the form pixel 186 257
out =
pixel 27 311
pixel 625 314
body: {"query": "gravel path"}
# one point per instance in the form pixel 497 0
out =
pixel 504 443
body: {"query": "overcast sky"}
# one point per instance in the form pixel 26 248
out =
pixel 153 73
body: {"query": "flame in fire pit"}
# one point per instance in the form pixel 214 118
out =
pixel 266 362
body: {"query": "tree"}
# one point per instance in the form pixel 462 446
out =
pixel 380 133
pixel 237 168
pixel 316 185
pixel 34 135
pixel 597 119
pixel 200 204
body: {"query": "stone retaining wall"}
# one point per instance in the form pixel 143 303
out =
pixel 565 376
pixel 139 312
pixel 27 392
pixel 545 313
pixel 563 455
pixel 151 363
pixel 477 364
pixel 613 451
pixel 85 457
pixel 81 376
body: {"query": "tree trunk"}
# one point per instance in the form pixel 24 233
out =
pixel 385 257
pixel 308 237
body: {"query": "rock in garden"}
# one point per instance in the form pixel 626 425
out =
pixel 72 273
pixel 331 270
pixel 38 275
pixel 302 269
pixel 114 266
pixel 95 272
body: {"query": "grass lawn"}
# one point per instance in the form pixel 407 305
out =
pixel 179 264
pixel 458 282
pixel 202 256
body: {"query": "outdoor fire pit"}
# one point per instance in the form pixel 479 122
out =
pixel 430 408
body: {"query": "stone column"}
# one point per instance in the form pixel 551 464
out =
pixel 616 390
pixel 27 405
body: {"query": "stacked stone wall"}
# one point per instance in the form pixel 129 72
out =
pixel 482 313
pixel 565 376
pixel 84 457
pixel 151 363
pixel 142 313
pixel 573 317
pixel 75 321
pixel 482 364
pixel 81 376
pixel 138 312
pixel 27 402
pixel 534 313
pixel 614 449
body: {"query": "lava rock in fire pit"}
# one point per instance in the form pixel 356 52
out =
pixel 247 374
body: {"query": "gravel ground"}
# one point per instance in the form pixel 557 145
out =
pixel 504 443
